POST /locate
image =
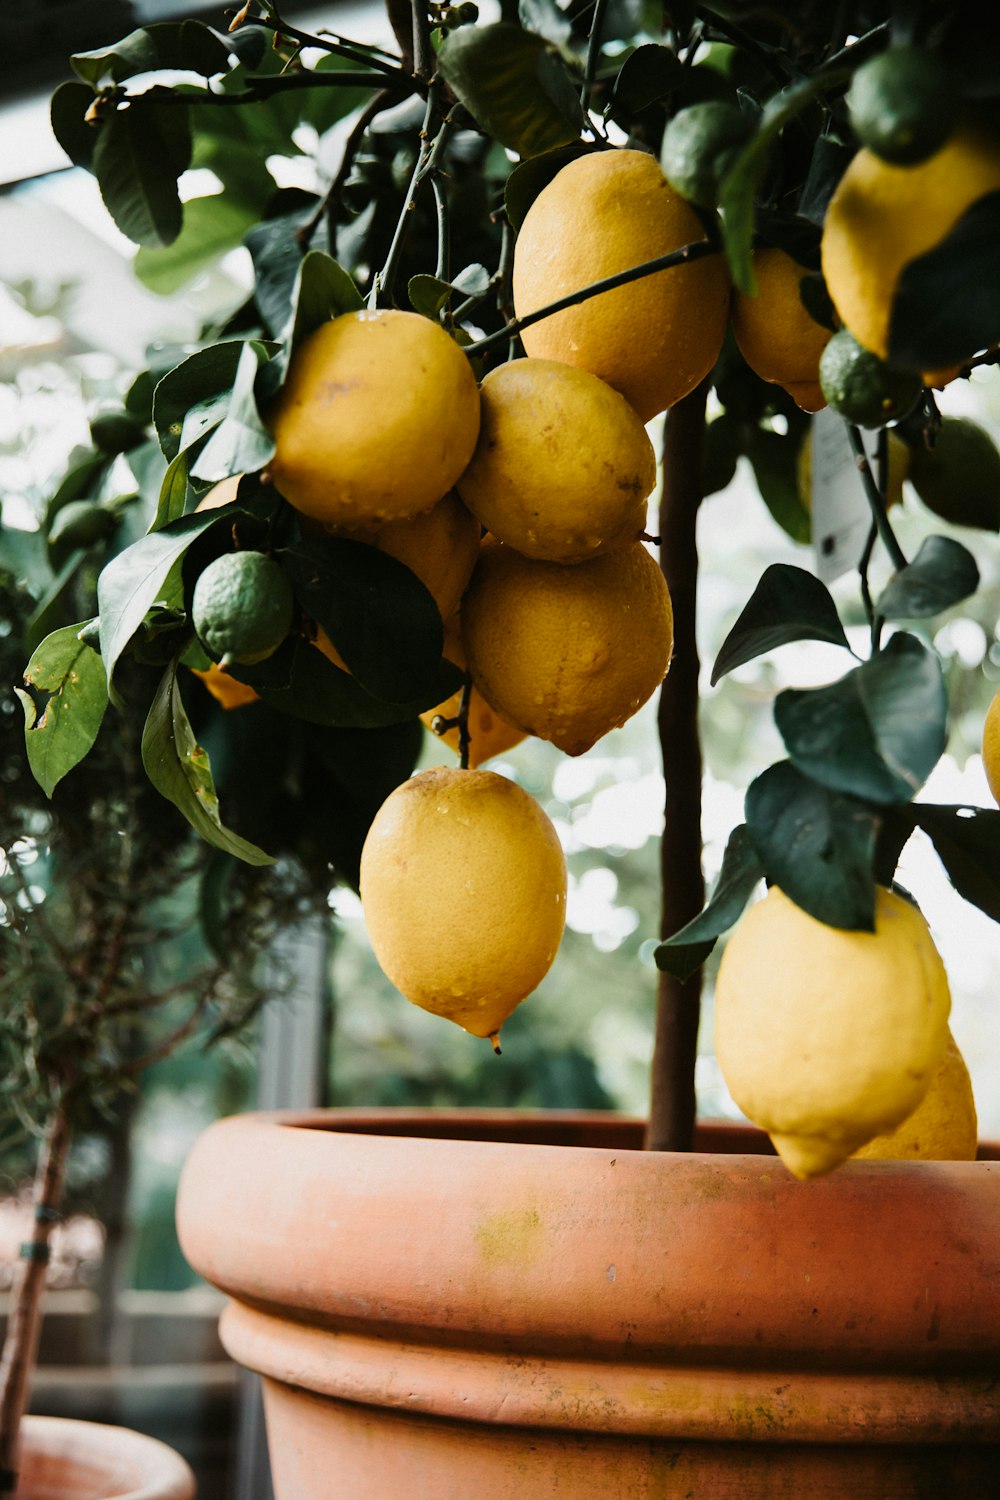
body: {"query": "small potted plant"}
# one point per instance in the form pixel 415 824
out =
pixel 789 214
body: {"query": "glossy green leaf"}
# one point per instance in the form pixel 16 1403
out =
pixel 212 227
pixel 322 290
pixel 428 294
pixel 203 377
pixel 140 153
pixel 942 574
pixel 739 185
pixel 180 770
pixel 376 612
pixel 741 872
pixel 545 18
pixel 774 459
pixel 878 732
pixel 172 501
pixel 73 675
pixel 132 582
pixel 530 177
pixel 299 680
pixel 67 112
pixel 967 840
pixel 187 46
pixel 816 845
pixel 650 73
pixel 515 86
pixel 277 255
pixel 241 444
pixel 947 302
pixel 788 604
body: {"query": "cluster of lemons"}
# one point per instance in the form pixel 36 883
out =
pixel 521 504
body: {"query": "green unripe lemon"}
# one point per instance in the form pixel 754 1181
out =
pixel 242 607
pixel 903 105
pixel 862 387
pixel 959 478
pixel 699 145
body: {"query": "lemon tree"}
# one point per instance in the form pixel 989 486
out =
pixel 543 234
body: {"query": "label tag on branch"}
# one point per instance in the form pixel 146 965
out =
pixel 841 516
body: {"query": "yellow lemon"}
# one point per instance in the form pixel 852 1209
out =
pixel 376 420
pixel 778 338
pixel 489 734
pixel 991 747
pixel 653 339
pixel 567 653
pixel 825 1037
pixel 563 467
pixel 881 217
pixel 463 883
pixel 943 1127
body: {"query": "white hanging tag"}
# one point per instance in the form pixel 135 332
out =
pixel 841 515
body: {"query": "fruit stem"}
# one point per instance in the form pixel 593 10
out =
pixel 672 1101
pixel 464 737
pixel 697 250
pixel 875 499
pixel 593 52
pixel 426 163
pixel 874 620
pixel 495 1042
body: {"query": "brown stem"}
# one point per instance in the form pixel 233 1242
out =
pixel 21 1343
pixel 672 1105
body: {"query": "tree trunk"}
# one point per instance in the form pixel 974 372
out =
pixel 672 1102
pixel 21 1344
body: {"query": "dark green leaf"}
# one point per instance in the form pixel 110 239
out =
pixel 203 376
pixel 428 295
pixel 323 290
pixel 173 491
pixel 647 75
pixel 211 227
pixel 70 103
pixel 187 46
pixel 774 458
pixel 967 840
pixel 241 444
pixel 514 85
pixel 740 183
pixel 947 302
pixel 741 871
pixel 51 608
pixel 816 845
pixel 140 153
pixel 180 770
pixel 376 612
pixel 942 574
pixel 829 162
pixel 299 680
pixel 23 557
pixel 73 675
pixel 529 178
pixel 80 482
pixel 788 604
pixel 277 255
pixel 545 18
pixel 133 581
pixel 878 732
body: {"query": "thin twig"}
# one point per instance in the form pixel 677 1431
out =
pixel 875 499
pixel 687 253
pixel 339 46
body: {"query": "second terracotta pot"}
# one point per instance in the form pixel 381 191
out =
pixel 501 1307
pixel 62 1459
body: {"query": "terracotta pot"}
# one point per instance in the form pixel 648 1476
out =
pixel 66 1460
pixel 506 1307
